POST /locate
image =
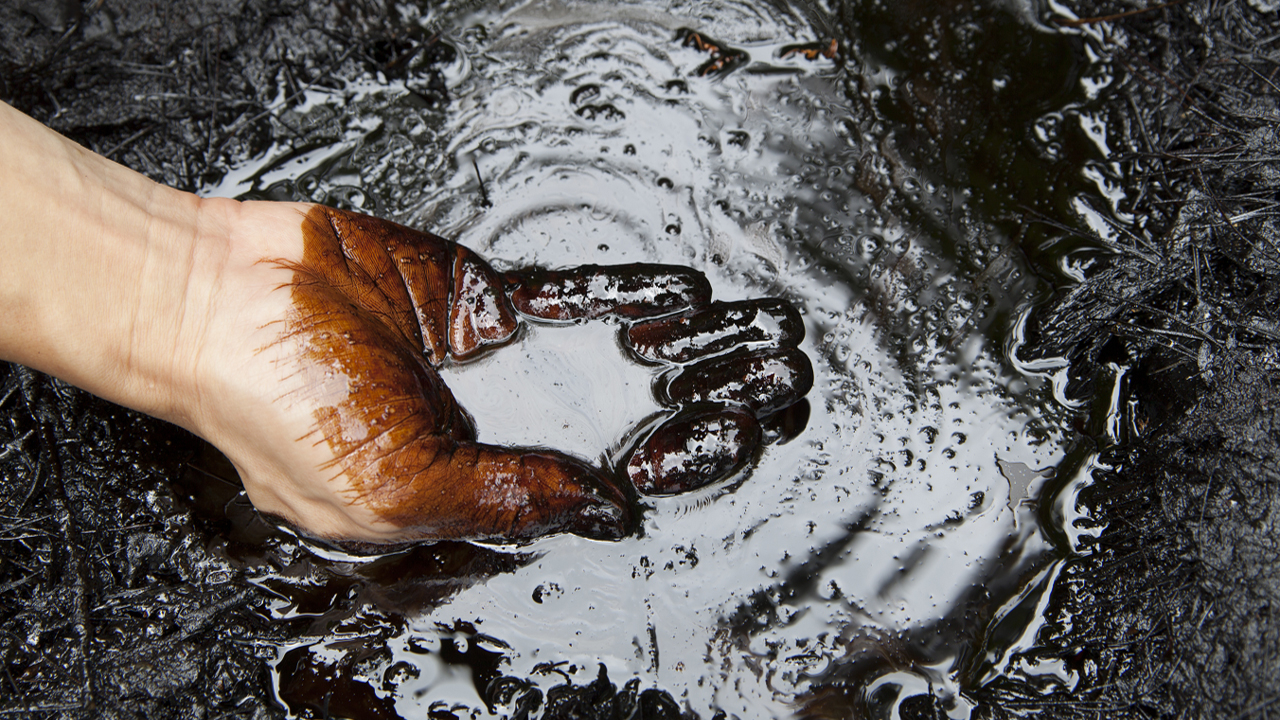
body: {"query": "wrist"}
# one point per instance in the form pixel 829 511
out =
pixel 105 269
pixel 164 312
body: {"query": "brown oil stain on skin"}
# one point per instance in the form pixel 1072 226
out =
pixel 635 291
pixel 377 307
pixel 698 446
pixel 765 381
pixel 717 328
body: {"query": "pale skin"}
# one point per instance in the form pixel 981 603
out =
pixel 158 300
pixel 303 341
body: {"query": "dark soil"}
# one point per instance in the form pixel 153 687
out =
pixel 1172 613
pixel 111 604
pixel 124 547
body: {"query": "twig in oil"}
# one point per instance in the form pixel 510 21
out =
pixel 129 140
pixel 484 194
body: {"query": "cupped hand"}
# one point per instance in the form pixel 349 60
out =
pixel 318 378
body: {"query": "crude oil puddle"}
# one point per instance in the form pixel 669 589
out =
pixel 570 388
pixel 907 503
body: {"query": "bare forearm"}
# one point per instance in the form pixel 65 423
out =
pixel 98 261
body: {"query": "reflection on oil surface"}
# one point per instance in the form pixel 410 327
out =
pixel 902 513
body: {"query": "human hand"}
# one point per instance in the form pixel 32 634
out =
pixel 303 342
pixel 339 422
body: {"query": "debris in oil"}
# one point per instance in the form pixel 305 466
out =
pixel 724 59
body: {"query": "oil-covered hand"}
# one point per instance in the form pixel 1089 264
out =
pixel 304 343
pixel 373 310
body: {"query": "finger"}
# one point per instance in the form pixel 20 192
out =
pixel 717 328
pixel 695 448
pixel 592 291
pixel 764 382
pixel 425 263
pixel 470 491
pixel 480 313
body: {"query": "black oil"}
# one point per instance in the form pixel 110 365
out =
pixel 903 190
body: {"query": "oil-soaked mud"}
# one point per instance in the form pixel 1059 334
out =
pixel 907 549
pixel 1171 331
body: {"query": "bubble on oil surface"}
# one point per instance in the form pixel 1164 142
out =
pixel 593 137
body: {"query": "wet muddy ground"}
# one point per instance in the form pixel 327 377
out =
pixel 1036 251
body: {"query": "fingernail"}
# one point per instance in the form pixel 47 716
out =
pixel 602 520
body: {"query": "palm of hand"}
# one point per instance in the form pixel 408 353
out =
pixel 377 307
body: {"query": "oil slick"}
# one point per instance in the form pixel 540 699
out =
pixel 882 517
